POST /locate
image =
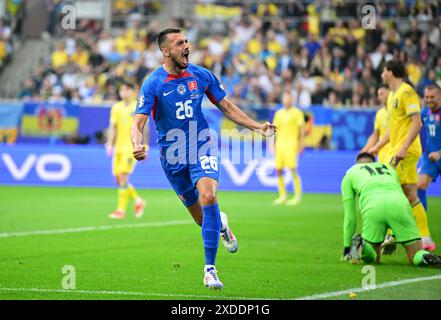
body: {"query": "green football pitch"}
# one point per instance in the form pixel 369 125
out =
pixel 53 237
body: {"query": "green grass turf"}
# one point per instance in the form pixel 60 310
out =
pixel 284 252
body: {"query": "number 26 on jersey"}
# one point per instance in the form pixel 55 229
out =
pixel 184 110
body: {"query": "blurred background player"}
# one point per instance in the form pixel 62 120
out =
pixel 403 106
pixel 289 143
pixel 119 145
pixel 380 125
pixel 173 94
pixel 383 205
pixel 430 162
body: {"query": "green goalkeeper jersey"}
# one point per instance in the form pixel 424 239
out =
pixel 370 182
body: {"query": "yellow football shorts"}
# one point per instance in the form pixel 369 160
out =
pixel 384 155
pixel 286 159
pixel 123 163
pixel 407 169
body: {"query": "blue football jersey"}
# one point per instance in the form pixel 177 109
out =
pixel 432 129
pixel 175 101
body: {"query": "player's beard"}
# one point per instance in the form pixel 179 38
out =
pixel 181 62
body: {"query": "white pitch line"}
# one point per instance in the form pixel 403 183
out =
pixel 127 293
pixel 94 228
pixel 154 294
pixel 379 286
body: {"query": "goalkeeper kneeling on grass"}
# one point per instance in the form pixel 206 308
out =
pixel 383 205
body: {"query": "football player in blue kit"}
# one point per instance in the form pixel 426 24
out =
pixel 430 167
pixel 173 95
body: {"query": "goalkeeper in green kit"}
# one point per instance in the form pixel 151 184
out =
pixel 383 205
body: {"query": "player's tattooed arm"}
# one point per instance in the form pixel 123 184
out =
pixel 139 152
pixel 146 135
pixel 235 114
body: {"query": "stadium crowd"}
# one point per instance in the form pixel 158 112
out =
pixel 318 48
pixel 10 26
pixel 5 42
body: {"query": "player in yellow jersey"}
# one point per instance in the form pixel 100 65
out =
pixel 289 143
pixel 119 145
pixel 403 107
pixel 380 126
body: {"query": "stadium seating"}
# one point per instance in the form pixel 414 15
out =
pixel 322 52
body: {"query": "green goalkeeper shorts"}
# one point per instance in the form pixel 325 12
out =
pixel 388 210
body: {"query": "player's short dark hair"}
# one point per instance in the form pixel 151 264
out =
pixel 162 36
pixel 364 155
pixel 128 84
pixel 397 67
pixel 383 86
pixel 433 86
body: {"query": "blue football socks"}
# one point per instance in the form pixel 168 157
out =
pixel 211 225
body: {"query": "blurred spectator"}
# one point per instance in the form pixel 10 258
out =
pixel 28 90
pixel 301 96
pixel 409 47
pixel 80 57
pixel 379 58
pixel 6 45
pixel 57 95
pixel 414 70
pixel 53 8
pixel 338 34
pixel 96 59
pixel 5 31
pixel 105 44
pixel 367 78
pixel 424 49
pixel 414 33
pixel 312 45
pixel 317 48
pixel 333 100
pixel 59 57
pixel 15 11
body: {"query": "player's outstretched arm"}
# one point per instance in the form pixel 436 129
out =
pixel 380 144
pixel 139 152
pixel 349 221
pixel 235 114
pixel 372 140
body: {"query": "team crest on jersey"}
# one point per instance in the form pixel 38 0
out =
pixel 181 89
pixel 192 86
pixel 396 103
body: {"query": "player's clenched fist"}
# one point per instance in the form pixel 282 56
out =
pixel 139 153
pixel 435 156
pixel 267 129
